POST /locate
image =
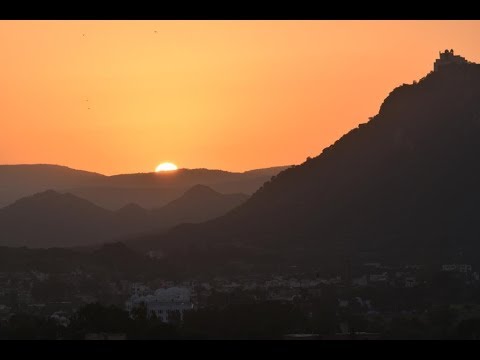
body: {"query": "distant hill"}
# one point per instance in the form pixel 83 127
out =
pixel 17 181
pixel 53 219
pixel 200 203
pixel 149 190
pixel 152 190
pixel 404 185
pixel 114 198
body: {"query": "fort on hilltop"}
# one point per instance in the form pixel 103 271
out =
pixel 448 58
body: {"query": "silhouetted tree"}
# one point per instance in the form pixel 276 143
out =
pixel 29 327
pixel 95 318
pixel 469 329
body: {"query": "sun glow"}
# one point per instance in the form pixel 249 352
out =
pixel 166 166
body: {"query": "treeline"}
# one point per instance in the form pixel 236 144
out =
pixel 113 260
pixel 238 321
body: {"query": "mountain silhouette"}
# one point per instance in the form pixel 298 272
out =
pixel 199 203
pixel 149 190
pixel 53 219
pixel 132 210
pixel 403 186
pixel 17 181
pixel 153 190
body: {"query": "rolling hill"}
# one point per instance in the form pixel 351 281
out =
pixel 53 219
pixel 149 190
pixel 199 203
pixel 17 181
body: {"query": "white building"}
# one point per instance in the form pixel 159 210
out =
pixel 378 277
pixel 410 282
pixel 457 267
pixel 40 276
pixel 164 303
pixel 155 254
pixel 61 318
pixel 139 289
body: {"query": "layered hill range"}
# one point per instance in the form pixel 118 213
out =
pixel 406 184
pixel 53 219
pixel 148 190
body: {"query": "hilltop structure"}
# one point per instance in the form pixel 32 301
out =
pixel 448 58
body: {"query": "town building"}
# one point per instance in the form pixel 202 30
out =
pixel 410 282
pixel 166 304
pixel 463 268
pixel 105 336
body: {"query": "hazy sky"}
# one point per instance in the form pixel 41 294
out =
pixel 231 95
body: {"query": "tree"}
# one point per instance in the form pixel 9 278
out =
pixel 98 318
pixel 139 313
pixel 29 327
pixel 469 329
pixel 441 320
pixel 406 329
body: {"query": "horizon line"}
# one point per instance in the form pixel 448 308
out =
pixel 147 172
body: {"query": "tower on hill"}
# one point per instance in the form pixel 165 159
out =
pixel 448 58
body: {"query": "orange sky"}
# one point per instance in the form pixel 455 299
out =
pixel 233 95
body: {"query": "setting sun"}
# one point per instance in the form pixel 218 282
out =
pixel 166 166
